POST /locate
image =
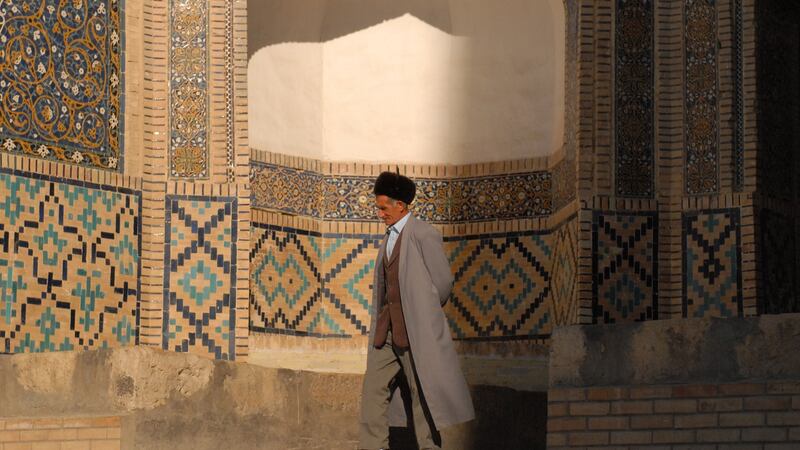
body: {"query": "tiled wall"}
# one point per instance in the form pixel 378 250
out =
pixel 652 210
pixel 71 231
pixel 320 284
pixel 666 155
pixel 189 83
pixel 664 186
pixel 308 283
pixel 100 250
pixel 200 275
pixel 624 266
pixel 515 273
pixel 69 263
pixel 195 179
pixel 345 197
pixel 635 99
pixel 63 83
pixel 712 261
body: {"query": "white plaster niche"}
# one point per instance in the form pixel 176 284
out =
pixel 410 81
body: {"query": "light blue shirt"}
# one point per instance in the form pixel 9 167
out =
pixel 394 233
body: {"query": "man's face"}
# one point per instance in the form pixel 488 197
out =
pixel 390 211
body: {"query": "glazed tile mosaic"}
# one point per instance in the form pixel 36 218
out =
pixel 564 273
pixel 351 198
pixel 189 88
pixel 200 275
pixel 624 267
pixel 321 285
pixel 514 196
pixel 348 198
pixel 701 97
pixel 659 102
pixel 306 284
pixel 502 286
pixel 738 95
pixel 285 281
pixel 778 264
pixel 285 189
pixel 712 280
pixel 230 94
pixel 440 201
pixel 634 98
pixel 349 263
pixel 69 264
pixel 61 81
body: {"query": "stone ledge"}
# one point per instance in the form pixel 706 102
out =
pixel 169 400
pixel 680 351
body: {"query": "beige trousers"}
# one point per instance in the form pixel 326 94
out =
pixel 383 367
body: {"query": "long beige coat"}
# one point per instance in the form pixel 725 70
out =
pixel 425 284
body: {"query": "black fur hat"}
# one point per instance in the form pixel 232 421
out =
pixel 395 186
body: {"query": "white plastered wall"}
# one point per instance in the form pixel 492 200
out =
pixel 489 88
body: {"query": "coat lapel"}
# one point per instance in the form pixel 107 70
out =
pixel 402 255
pixel 407 231
pixel 382 249
pixel 377 284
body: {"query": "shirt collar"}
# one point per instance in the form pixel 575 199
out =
pixel 400 224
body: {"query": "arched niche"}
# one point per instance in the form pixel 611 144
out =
pixel 415 81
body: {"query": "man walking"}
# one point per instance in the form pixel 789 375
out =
pixel 410 345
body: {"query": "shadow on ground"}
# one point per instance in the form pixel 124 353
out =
pixel 505 419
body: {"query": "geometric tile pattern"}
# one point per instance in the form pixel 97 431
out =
pixel 514 196
pixel 302 283
pixel 624 266
pixel 349 265
pixel 634 98
pixel 230 93
pixel 778 264
pixel 306 283
pixel 712 271
pixel 701 97
pixel 564 274
pixel 61 81
pixel 285 280
pixel 502 286
pixel 188 62
pixel 200 275
pixel 69 264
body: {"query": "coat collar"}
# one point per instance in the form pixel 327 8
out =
pixel 412 220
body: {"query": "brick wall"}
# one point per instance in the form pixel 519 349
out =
pixel 748 415
pixel 96 433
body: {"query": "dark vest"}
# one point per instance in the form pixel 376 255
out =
pixel 391 313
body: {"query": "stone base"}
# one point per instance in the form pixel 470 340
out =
pixel 168 401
